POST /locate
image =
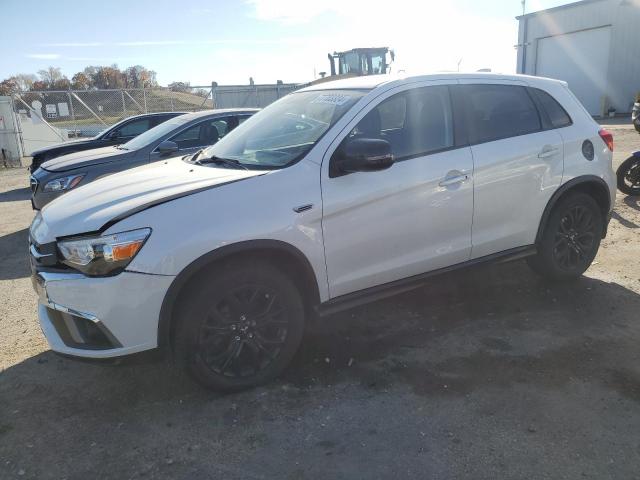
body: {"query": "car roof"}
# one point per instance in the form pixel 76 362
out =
pixel 369 82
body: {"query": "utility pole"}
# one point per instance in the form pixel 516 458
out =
pixel 524 6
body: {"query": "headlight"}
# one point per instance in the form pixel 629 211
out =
pixel 103 255
pixel 63 183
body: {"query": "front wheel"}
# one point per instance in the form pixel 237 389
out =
pixel 629 176
pixel 571 238
pixel 240 327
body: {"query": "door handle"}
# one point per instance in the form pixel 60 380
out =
pixel 453 180
pixel 548 153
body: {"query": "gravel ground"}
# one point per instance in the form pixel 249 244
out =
pixel 487 373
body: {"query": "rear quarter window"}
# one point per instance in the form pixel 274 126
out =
pixel 557 116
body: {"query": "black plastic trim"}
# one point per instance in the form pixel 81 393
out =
pixel 379 292
pixel 574 182
pixel 171 297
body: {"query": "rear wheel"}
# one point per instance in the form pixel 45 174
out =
pixel 241 327
pixel 571 238
pixel 629 176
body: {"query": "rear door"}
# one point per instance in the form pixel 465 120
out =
pixel 518 164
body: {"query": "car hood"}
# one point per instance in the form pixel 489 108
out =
pixel 96 156
pixel 97 205
pixel 78 142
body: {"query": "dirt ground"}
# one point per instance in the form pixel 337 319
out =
pixel 483 374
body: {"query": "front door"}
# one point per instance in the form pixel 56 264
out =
pixel 411 218
pixel 200 135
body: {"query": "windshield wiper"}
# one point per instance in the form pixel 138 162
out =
pixel 196 155
pixel 220 160
pixel 120 147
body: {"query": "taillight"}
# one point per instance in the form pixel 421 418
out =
pixel 607 138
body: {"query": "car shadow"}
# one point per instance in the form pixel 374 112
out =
pixel 483 316
pixel 482 331
pixel 623 221
pixel 14 261
pixel 632 201
pixel 16 195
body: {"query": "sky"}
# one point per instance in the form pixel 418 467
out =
pixel 200 41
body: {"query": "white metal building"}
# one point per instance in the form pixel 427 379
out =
pixel 594 45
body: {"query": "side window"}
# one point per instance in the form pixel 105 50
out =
pixel 134 128
pixel 199 135
pixel 557 115
pixel 415 123
pixel 226 124
pixel 499 111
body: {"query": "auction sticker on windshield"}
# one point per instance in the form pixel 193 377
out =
pixel 332 98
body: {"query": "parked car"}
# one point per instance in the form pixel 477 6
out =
pixel 635 115
pixel 333 196
pixel 119 133
pixel 180 135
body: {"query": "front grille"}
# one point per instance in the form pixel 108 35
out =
pixel 34 184
pixel 45 255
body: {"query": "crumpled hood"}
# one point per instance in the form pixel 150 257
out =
pixel 96 156
pixel 91 207
pixel 55 146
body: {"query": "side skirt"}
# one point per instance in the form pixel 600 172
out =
pixel 379 292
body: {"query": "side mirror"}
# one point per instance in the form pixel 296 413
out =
pixel 167 147
pixel 362 155
pixel 114 135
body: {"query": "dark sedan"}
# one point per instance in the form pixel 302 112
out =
pixel 182 135
pixel 121 132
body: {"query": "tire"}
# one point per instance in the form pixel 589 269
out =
pixel 628 175
pixel 240 327
pixel 570 239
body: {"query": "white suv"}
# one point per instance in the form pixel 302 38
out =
pixel 333 196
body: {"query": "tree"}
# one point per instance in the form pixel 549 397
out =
pixel 25 80
pixel 50 75
pixel 139 77
pixel 39 85
pixel 180 87
pixel 80 81
pixel 108 77
pixel 61 84
pixel 8 86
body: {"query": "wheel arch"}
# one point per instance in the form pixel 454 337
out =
pixel 592 185
pixel 281 254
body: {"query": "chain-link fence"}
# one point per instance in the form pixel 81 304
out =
pixel 83 113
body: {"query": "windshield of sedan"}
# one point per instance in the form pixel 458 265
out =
pixel 286 130
pixel 154 134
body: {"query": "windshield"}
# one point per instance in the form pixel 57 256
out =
pixel 286 130
pixel 153 134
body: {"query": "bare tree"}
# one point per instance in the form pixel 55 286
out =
pixel 50 75
pixel 25 80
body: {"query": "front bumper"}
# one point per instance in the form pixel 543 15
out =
pixel 100 317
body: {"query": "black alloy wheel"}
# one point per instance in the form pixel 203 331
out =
pixel 244 331
pixel 575 238
pixel 239 325
pixel 570 238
